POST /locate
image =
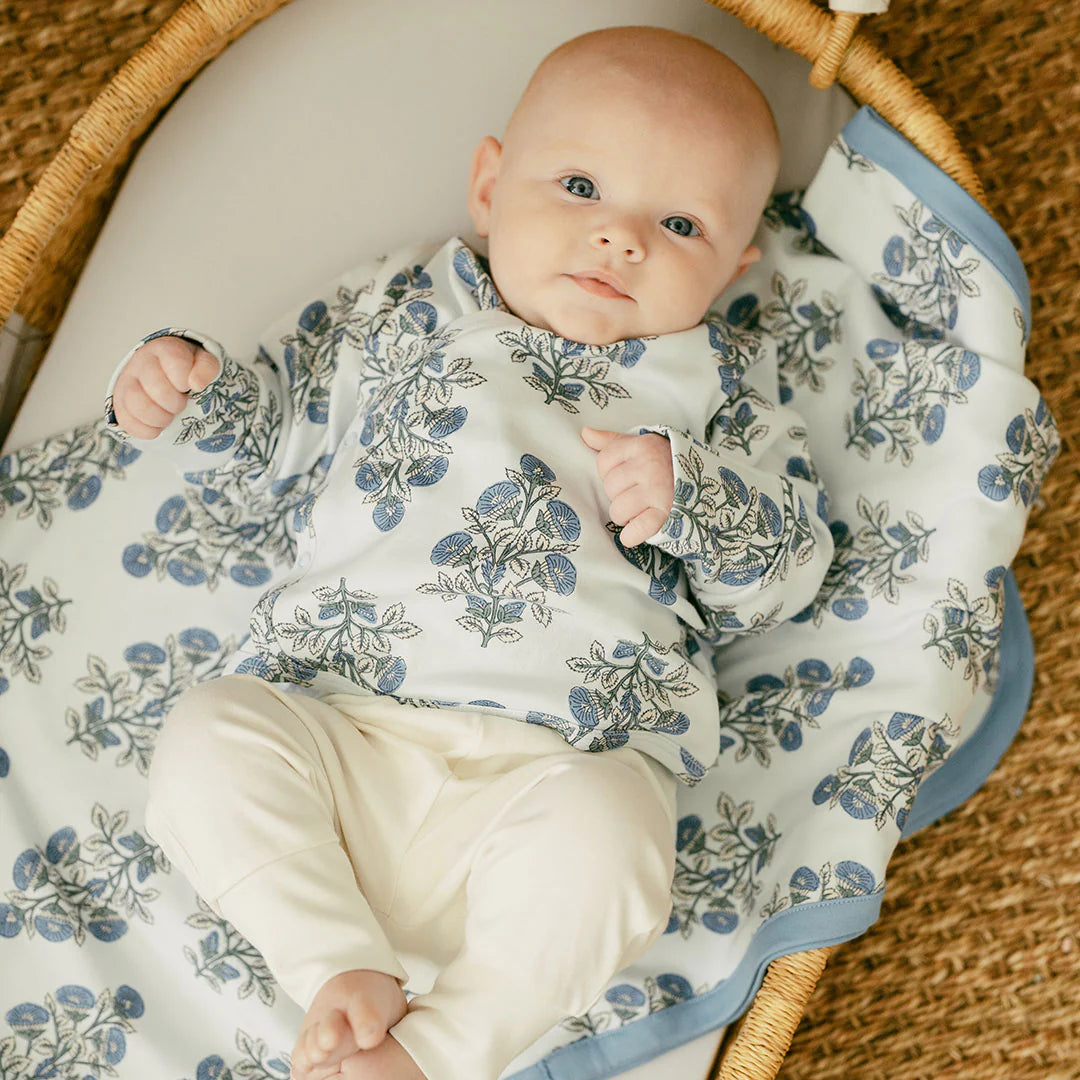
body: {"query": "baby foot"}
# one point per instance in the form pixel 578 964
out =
pixel 352 1012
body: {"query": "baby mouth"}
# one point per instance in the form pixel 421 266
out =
pixel 600 285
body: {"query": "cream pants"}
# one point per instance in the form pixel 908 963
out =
pixel 348 832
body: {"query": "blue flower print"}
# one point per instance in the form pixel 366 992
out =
pixel 904 393
pixel 804 329
pixel 664 570
pixel 969 631
pixel 513 553
pixel 885 765
pixel 69 469
pixel 564 370
pixel 928 269
pixel 785 212
pixel 717 869
pixel 774 712
pixel 849 878
pixel 631 689
pixel 1032 444
pixel 256 1061
pixel 75 1026
pixel 72 888
pixel 870 562
pixel 126 709
pixel 346 636
pixel 406 395
pixel 27 612
pixel 203 537
pixel 225 958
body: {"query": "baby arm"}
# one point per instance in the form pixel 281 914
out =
pixel 153 385
pixel 746 522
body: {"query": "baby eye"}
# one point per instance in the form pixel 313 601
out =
pixel 681 226
pixel 579 185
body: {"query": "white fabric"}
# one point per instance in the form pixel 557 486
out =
pixel 379 835
pixel 453 539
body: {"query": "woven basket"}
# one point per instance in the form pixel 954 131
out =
pixel 46 245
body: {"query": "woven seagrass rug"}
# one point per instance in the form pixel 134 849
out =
pixel 973 970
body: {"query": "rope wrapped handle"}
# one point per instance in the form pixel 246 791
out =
pixel 847 14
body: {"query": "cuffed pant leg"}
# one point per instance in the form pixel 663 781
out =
pixel 240 801
pixel 570 884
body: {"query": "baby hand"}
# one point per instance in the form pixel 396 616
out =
pixel 153 386
pixel 637 475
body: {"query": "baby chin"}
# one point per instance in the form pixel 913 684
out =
pixel 593 325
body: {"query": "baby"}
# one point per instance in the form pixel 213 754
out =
pixel 525 489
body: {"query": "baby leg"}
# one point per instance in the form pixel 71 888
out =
pixel 241 801
pixel 568 885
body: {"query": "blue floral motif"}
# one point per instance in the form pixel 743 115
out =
pixel 225 956
pixel 256 1064
pixel 663 569
pixel 927 271
pixel 737 425
pixel 126 709
pixel 631 689
pixel 474 270
pixel 505 563
pixel 904 395
pixel 969 631
pixel 848 879
pixel 716 869
pixel 69 469
pixel 774 711
pixel 311 352
pixel 69 889
pixel 563 370
pixel 803 329
pixel 625 1002
pixel 870 562
pixel 735 533
pixel 406 397
pixel 203 537
pixel 785 212
pixel 26 613
pixel 885 766
pixel 346 636
pixel 1032 444
pixel 75 1030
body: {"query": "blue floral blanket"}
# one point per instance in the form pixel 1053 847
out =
pixel 900 312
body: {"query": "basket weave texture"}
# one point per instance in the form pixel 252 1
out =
pixel 973 970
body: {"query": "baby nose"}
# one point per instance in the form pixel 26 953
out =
pixel 621 239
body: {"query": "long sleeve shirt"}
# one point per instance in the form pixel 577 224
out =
pixel 453 541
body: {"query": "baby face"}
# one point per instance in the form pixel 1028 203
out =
pixel 613 213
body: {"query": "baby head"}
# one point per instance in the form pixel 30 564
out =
pixel 628 185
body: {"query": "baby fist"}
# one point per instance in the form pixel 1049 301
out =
pixel 153 386
pixel 638 478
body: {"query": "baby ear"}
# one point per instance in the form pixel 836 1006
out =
pixel 485 171
pixel 747 259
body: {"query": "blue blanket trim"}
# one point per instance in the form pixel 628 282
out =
pixel 612 1052
pixel 829 922
pixel 879 141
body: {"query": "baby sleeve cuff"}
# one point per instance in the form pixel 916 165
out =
pixel 668 536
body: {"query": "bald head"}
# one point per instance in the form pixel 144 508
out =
pixel 659 70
